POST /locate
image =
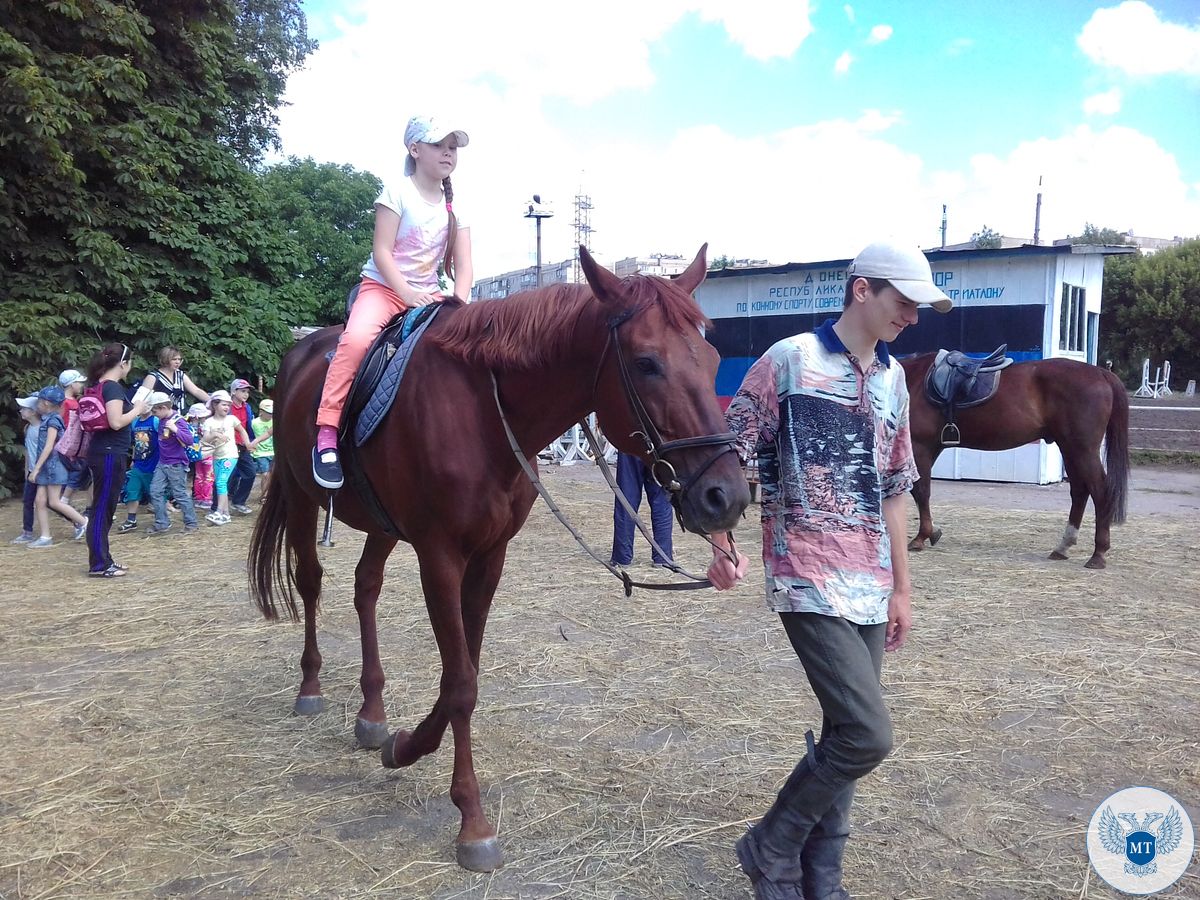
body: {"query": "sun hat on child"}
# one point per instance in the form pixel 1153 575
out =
pixel 69 377
pixel 219 395
pixel 427 130
pixel 29 402
pixel 158 398
pixel 237 384
pixel 267 406
pixel 905 268
pixel 198 411
pixel 52 394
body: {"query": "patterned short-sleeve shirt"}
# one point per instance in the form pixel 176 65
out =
pixel 833 443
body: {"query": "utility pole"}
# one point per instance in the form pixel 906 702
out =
pixel 1037 214
pixel 538 211
pixel 943 226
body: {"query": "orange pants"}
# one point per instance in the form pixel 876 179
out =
pixel 373 308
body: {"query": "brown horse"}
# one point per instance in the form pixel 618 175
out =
pixel 1061 401
pixel 443 470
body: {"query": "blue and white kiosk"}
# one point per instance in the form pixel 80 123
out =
pixel 1041 301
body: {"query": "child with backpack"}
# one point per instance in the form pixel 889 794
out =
pixel 137 480
pixel 174 441
pixel 49 472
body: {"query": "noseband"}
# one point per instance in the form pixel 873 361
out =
pixel 661 469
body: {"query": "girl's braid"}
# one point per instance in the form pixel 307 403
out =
pixel 452 233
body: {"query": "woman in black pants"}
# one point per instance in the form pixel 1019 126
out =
pixel 108 455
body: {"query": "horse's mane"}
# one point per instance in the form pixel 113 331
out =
pixel 533 328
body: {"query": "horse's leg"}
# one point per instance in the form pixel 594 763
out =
pixel 1091 474
pixel 370 728
pixel 1079 498
pixel 921 490
pixel 302 535
pixel 442 578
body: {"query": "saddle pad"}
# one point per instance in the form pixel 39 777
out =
pixel 366 415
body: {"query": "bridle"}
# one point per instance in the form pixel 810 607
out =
pixel 661 469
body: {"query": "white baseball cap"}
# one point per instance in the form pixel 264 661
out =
pixel 905 268
pixel 427 130
pixel 219 395
pixel 158 398
pixel 69 377
pixel 29 402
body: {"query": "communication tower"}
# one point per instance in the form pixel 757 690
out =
pixel 583 231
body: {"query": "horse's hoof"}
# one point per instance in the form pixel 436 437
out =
pixel 1056 555
pixel 480 856
pixel 935 537
pixel 916 545
pixel 387 751
pixel 1096 562
pixel 309 706
pixel 370 735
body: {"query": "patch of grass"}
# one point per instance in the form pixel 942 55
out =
pixel 1182 458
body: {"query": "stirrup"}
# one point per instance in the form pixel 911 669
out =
pixel 951 436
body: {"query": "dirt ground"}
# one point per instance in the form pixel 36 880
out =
pixel 622 744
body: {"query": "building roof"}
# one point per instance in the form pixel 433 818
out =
pixel 934 256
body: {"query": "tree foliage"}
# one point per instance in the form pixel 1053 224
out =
pixel 1093 234
pixel 1151 310
pixel 986 239
pixel 128 205
pixel 328 211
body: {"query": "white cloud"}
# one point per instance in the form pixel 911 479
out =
pixel 1131 37
pixel 816 191
pixel 879 34
pixel 849 10
pixel 1107 103
pixel 1116 177
pixel 764 29
pixel 842 65
pixel 959 46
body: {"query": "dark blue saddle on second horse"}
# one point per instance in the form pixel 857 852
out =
pixel 957 381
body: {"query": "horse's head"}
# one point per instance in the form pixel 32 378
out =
pixel 655 395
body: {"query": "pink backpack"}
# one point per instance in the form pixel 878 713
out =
pixel 74 443
pixel 91 413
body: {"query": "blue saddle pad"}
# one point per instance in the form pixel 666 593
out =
pixel 378 378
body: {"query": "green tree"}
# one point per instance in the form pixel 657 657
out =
pixel 721 262
pixel 328 211
pixel 126 201
pixel 1093 234
pixel 986 239
pixel 1151 309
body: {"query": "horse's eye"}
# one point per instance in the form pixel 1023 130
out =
pixel 646 365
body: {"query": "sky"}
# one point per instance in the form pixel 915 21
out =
pixel 784 130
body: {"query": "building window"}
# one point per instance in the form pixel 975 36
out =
pixel 1072 323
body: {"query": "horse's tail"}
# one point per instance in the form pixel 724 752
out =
pixel 272 563
pixel 1116 456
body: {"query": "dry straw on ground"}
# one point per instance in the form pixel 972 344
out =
pixel 621 743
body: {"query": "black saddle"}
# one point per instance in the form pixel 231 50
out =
pixel 957 381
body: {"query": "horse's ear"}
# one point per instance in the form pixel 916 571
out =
pixel 691 277
pixel 604 284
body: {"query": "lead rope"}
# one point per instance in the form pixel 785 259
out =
pixel 623 577
pixel 646 533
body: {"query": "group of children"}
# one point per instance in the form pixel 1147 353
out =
pixel 168 447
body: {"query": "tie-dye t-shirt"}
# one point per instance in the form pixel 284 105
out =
pixel 421 238
pixel 833 443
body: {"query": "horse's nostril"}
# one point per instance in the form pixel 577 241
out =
pixel 714 498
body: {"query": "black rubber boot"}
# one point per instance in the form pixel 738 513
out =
pixel 821 858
